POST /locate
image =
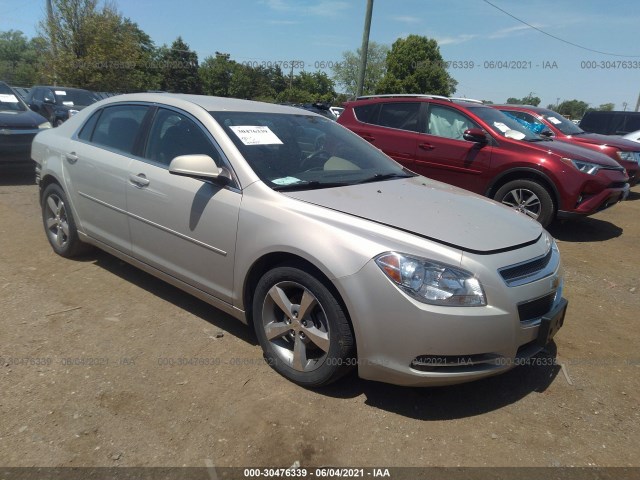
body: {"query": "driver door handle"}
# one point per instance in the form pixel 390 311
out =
pixel 71 157
pixel 139 180
pixel 426 146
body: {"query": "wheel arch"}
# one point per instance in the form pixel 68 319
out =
pixel 47 180
pixel 525 174
pixel 272 260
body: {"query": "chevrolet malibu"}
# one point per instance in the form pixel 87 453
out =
pixel 336 255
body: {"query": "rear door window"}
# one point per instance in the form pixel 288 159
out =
pixel 403 116
pixel 118 127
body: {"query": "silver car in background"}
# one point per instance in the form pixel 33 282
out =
pixel 335 254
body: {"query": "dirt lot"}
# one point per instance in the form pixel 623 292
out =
pixel 87 380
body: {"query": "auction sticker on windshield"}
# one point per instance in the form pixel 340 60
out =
pixel 8 98
pixel 255 135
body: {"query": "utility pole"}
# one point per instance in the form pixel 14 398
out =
pixel 638 104
pixel 53 38
pixel 364 49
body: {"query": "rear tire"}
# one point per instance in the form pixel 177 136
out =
pixel 59 224
pixel 302 328
pixel 528 197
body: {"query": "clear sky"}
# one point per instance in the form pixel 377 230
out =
pixel 317 31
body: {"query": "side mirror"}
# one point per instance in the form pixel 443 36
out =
pixel 546 133
pixel 475 135
pixel 49 100
pixel 201 167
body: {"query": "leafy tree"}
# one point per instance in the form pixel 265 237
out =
pixel 20 58
pixel 572 108
pixel 221 76
pixel 528 100
pixel 345 73
pixel 179 67
pixel 215 74
pixel 309 88
pixel 415 65
pixel 96 48
pixel 607 107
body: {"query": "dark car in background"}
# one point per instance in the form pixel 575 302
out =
pixel 58 104
pixel 22 91
pixel 18 126
pixel 549 123
pixel 319 108
pixel 610 123
pixel 481 149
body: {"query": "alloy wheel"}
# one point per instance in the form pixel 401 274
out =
pixel 524 201
pixel 296 325
pixel 56 221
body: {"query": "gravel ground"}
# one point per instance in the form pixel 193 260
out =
pixel 89 375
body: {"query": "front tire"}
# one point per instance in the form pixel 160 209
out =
pixel 59 224
pixel 302 328
pixel 528 197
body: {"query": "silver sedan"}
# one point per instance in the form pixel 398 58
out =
pixel 337 256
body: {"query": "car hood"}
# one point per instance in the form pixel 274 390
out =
pixel 597 139
pixel 570 150
pixel 433 210
pixel 27 119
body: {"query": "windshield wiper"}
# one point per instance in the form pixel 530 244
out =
pixel 378 177
pixel 536 140
pixel 312 185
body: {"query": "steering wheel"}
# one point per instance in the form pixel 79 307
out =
pixel 315 160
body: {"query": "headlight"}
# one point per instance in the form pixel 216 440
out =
pixel 626 156
pixel 584 167
pixel 432 282
pixel 72 112
pixel 45 125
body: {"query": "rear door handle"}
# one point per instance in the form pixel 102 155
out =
pixel 368 138
pixel 139 180
pixel 426 146
pixel 71 157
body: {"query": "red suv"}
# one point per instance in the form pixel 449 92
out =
pixel 549 123
pixel 483 150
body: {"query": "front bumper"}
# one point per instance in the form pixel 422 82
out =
pixel 595 203
pixel 15 147
pixel 406 342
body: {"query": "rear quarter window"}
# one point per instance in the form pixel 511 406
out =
pixel 366 113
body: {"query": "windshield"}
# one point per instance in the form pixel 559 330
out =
pixel 9 101
pixel 295 152
pixel 70 98
pixel 504 125
pixel 563 124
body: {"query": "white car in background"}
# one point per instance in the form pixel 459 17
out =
pixel 336 111
pixel 633 136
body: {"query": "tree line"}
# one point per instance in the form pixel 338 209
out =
pixel 88 45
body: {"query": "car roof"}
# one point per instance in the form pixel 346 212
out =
pixel 409 97
pixel 62 87
pixel 209 103
pixel 521 107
